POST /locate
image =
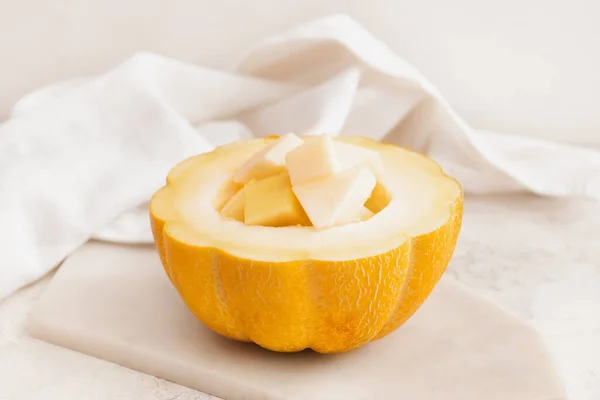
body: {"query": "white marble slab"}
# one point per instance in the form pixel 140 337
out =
pixel 116 303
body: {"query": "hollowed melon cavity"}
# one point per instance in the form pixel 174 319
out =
pixel 313 181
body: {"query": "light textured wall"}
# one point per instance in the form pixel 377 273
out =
pixel 522 66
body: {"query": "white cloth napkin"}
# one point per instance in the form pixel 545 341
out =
pixel 81 159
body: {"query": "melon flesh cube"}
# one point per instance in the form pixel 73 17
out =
pixel 379 199
pixel 269 161
pixel 314 159
pixel 363 214
pixel 234 207
pixel 227 192
pixel 271 202
pixel 352 156
pixel 337 199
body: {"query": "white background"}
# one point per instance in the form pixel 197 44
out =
pixel 520 66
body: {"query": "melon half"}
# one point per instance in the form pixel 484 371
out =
pixel 289 288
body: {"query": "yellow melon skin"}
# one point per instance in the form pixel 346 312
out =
pixel 327 306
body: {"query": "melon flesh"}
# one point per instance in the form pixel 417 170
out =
pixel 269 161
pixel 352 156
pixel 314 159
pixel 271 202
pixel 226 193
pixel 379 199
pixel 363 214
pixel 318 181
pixel 336 199
pixel 234 207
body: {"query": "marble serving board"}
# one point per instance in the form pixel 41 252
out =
pixel 114 302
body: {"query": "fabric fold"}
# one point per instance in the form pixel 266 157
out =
pixel 80 159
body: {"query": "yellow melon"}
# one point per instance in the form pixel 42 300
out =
pixel 288 288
